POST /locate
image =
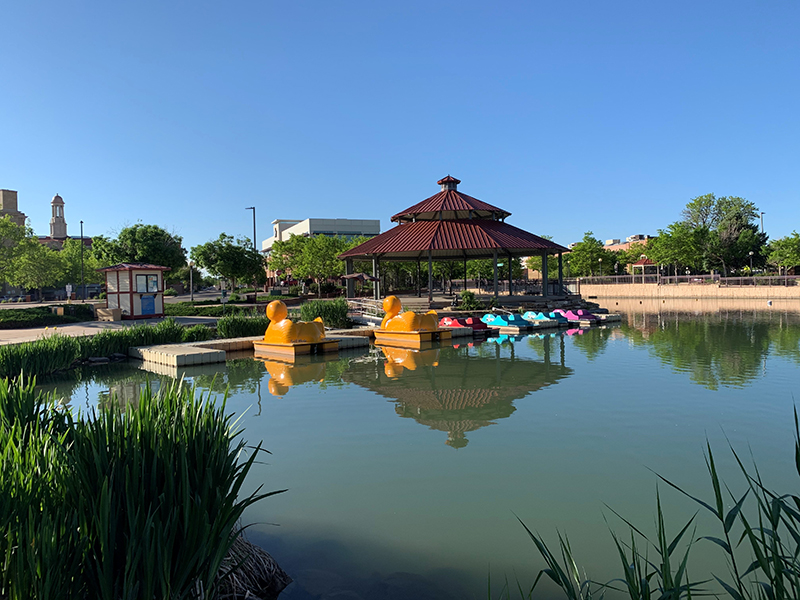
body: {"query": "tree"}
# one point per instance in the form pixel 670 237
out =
pixel 680 245
pixel 785 252
pixel 319 259
pixel 11 235
pixel 585 257
pixel 727 230
pixel 232 259
pixel 286 255
pixel 35 265
pixel 141 243
pixel 71 259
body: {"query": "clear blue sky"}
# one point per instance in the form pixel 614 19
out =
pixel 575 116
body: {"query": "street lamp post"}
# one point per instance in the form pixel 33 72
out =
pixel 83 285
pixel 253 208
pixel 751 262
pixel 600 267
pixel 191 281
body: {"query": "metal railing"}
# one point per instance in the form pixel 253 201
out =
pixel 714 279
pixel 367 307
pixel 767 280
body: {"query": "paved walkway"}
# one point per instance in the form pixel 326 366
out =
pixel 15 336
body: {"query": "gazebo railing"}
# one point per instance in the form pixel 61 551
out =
pixel 365 310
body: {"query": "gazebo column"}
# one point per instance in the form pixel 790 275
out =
pixel 545 275
pixel 495 273
pixel 510 277
pixel 419 283
pixel 465 272
pixel 350 285
pixel 376 284
pixel 560 274
pixel 430 277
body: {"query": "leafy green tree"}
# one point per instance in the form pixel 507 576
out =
pixel 235 260
pixel 680 246
pixel 727 230
pixel 589 257
pixel 11 235
pixel 71 259
pixel 319 259
pixel 35 265
pixel 141 243
pixel 785 252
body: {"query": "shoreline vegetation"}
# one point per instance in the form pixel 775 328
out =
pixel 59 352
pixel 126 502
pixel 760 544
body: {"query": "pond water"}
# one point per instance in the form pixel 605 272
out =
pixel 406 471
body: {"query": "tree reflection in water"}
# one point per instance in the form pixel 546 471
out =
pixel 722 349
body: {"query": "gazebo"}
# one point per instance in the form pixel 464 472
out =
pixel 451 226
pixel 646 265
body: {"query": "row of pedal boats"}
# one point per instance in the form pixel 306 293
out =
pixel 529 319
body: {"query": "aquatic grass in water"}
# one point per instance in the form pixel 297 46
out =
pixel 333 312
pixel 125 503
pixel 235 326
pixel 770 538
pixel 58 352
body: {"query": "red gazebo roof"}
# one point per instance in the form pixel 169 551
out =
pixel 451 239
pixel 452 225
pixel 643 261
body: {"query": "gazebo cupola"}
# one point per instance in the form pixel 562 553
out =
pixel 449 183
pixel 450 204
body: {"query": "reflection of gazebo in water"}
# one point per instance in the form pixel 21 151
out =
pixel 461 392
pixel 453 226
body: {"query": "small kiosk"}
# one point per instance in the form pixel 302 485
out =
pixel 135 289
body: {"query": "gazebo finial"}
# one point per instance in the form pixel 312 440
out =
pixel 449 183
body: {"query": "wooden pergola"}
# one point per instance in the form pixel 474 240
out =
pixel 453 226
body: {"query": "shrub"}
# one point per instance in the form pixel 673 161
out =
pixel 470 302
pixel 170 292
pixel 187 309
pixel 42 316
pixel 236 326
pixel 295 290
pixel 119 504
pixel 333 312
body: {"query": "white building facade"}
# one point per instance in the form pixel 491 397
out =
pixel 283 229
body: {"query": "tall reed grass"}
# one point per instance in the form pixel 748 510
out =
pixel 58 352
pixel 333 312
pixel 759 538
pixel 121 504
pixel 235 326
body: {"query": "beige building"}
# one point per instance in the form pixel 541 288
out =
pixel 283 229
pixel 8 206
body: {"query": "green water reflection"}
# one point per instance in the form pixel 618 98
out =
pixel 724 349
pixel 549 427
pixel 458 389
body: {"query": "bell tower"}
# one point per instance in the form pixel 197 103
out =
pixel 58 226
